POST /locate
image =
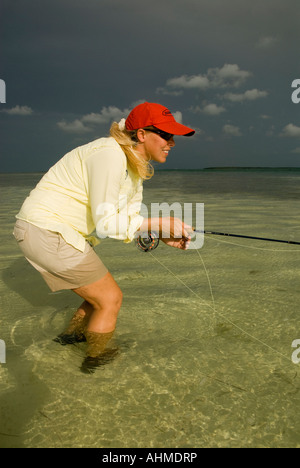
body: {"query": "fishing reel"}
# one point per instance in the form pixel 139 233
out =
pixel 147 241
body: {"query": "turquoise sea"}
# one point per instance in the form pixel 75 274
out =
pixel 206 336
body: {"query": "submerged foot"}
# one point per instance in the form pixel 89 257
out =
pixel 90 364
pixel 70 338
pixel 75 332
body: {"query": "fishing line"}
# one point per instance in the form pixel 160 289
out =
pixel 179 279
pixel 217 312
pixel 210 287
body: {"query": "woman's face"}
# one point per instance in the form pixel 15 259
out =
pixel 153 146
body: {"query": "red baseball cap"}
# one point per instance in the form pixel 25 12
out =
pixel 150 114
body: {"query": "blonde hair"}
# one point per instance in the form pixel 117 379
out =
pixel 127 141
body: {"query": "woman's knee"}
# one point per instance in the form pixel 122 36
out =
pixel 113 305
pixel 111 293
pixel 103 293
pixel 120 297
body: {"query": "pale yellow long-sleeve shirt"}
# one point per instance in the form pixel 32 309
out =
pixel 91 187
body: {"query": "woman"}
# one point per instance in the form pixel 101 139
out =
pixel 97 186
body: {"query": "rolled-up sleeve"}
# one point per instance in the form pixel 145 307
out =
pixel 115 213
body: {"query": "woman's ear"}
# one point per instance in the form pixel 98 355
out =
pixel 141 135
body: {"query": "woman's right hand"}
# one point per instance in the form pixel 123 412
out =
pixel 172 231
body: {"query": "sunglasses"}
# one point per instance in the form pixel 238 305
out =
pixel 166 136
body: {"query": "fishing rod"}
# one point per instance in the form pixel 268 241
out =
pixel 248 237
pixel 149 241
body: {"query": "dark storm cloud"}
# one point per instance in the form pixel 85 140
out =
pixel 224 67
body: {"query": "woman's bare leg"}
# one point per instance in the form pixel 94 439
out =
pixel 103 301
pixel 95 320
pixel 79 320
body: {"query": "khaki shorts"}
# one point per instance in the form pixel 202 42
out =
pixel 60 264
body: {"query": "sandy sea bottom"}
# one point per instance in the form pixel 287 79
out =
pixel 205 336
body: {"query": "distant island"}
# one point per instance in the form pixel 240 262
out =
pixel 235 169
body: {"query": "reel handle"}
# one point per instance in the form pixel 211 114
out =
pixel 147 241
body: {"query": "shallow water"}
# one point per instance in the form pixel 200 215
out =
pixel 205 336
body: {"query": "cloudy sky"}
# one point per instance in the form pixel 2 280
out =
pixel 228 68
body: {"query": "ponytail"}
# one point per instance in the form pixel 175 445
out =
pixel 127 142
